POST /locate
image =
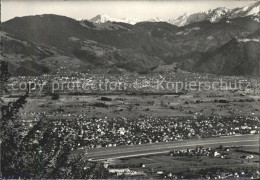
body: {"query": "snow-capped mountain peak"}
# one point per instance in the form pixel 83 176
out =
pixel 215 15
pixel 253 9
pixel 103 18
pixel 212 15
pixel 180 21
pixel 156 19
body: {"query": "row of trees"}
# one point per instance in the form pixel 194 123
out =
pixel 32 155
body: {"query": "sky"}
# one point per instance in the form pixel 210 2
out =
pixel 142 10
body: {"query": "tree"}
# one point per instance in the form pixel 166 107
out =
pixel 4 76
pixel 33 155
pixel 55 96
pixel 9 128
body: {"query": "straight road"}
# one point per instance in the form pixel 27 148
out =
pixel 98 154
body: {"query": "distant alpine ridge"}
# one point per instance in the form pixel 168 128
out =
pixel 219 41
pixel 103 18
pixel 212 15
pixel 215 15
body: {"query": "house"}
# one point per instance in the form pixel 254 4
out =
pixel 247 157
pixel 216 154
pixel 119 171
pixel 126 171
pixel 253 132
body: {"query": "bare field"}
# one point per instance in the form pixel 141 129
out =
pixel 190 104
pixel 177 164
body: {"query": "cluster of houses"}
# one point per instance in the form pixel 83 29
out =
pixel 126 172
pixel 107 132
pixel 223 175
pixel 131 81
pixel 200 151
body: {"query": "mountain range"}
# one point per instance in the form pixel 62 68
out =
pixel 48 43
pixel 212 15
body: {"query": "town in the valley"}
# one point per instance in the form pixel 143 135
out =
pixel 189 133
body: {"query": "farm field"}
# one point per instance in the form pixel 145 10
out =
pixel 190 104
pixel 177 164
